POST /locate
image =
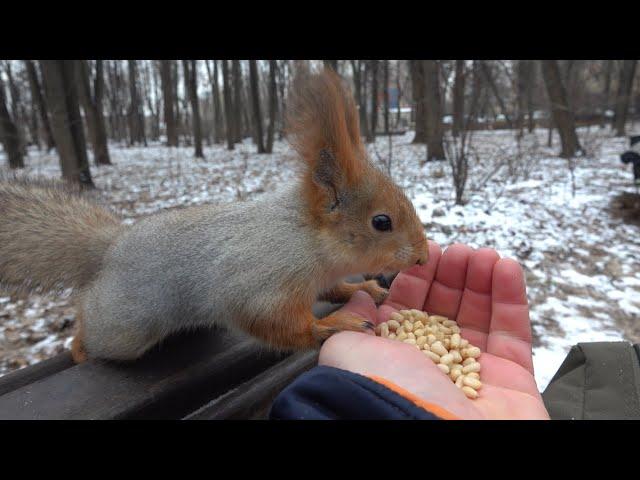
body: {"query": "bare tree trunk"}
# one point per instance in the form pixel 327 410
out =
pixel 623 98
pixel 83 79
pixel 156 97
pixel 374 100
pixel 550 123
pixel 365 96
pixel 186 126
pixel 476 94
pixel 230 121
pixel 494 89
pixel 92 106
pixel 254 82
pixel 136 118
pixel 114 101
pixel 457 148
pixel 9 133
pixel 248 129
pixel 218 107
pixel 399 87
pixel 385 76
pixel 358 82
pixel 98 98
pixel 147 84
pixel 458 98
pixel 111 124
pixel 562 115
pixel 237 100
pixel 121 93
pixel 176 99
pixel 572 86
pixel 606 95
pixel 191 79
pixel 215 94
pixel 38 98
pixel 34 125
pixel 20 105
pixel 18 113
pixel 333 64
pixel 284 72
pixel 59 81
pixel 523 75
pixel 478 77
pixel 530 82
pixel 418 87
pixel 169 103
pixel 433 111
pixel 273 104
pixel 14 94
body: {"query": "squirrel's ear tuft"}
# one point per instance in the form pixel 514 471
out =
pixel 322 117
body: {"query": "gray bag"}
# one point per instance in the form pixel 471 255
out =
pixel 597 381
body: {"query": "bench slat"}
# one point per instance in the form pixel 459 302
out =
pixel 253 398
pixel 168 383
pixel 15 380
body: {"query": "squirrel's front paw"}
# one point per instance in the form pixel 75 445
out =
pixel 337 322
pixel 378 293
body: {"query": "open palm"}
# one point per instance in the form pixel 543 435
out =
pixel 486 295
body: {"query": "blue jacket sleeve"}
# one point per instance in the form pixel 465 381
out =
pixel 327 393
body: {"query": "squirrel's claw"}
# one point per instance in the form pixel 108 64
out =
pixel 378 293
pixel 337 322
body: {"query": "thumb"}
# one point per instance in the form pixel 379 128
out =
pixel 362 304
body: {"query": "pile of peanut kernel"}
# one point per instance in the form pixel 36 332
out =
pixel 439 339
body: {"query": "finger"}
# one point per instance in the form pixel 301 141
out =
pixel 446 290
pixel 474 313
pixel 510 328
pixel 362 304
pixel 410 287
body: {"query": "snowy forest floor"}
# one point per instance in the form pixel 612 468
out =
pixel 579 240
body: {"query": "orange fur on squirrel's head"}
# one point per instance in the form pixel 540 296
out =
pixel 365 219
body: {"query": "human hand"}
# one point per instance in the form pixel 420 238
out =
pixel 486 295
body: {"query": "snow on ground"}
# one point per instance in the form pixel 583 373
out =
pixel 581 261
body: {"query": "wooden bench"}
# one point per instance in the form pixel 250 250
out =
pixel 207 374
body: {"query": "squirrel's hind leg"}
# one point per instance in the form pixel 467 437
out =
pixel 78 352
pixel 342 292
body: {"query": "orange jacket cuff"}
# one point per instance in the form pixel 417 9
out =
pixel 428 406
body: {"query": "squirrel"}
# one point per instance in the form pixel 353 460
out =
pixel 255 266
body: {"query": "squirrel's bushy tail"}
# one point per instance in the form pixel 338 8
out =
pixel 50 235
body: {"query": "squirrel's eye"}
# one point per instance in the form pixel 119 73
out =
pixel 381 222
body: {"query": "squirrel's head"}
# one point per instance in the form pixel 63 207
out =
pixel 365 219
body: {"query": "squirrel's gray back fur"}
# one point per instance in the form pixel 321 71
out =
pixel 198 266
